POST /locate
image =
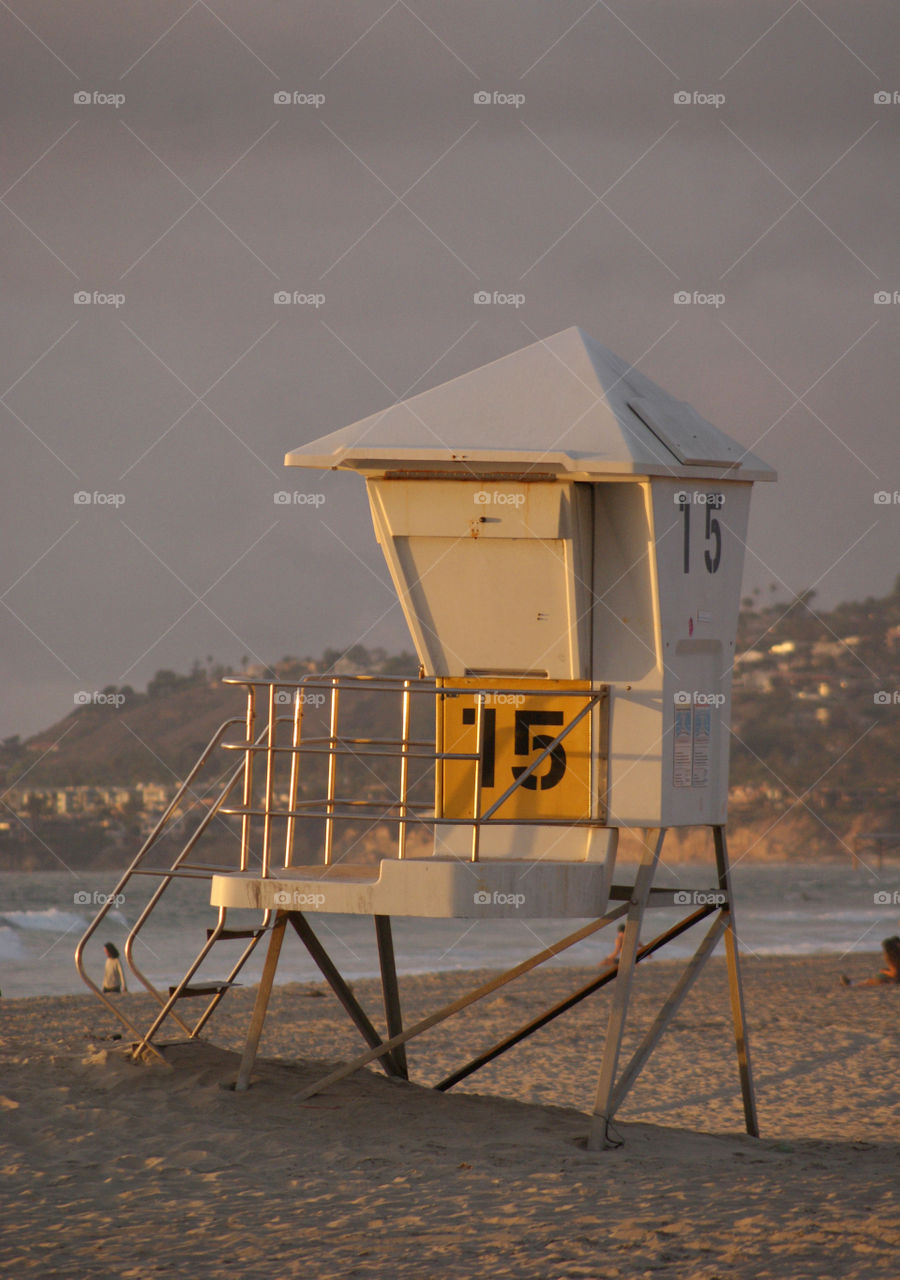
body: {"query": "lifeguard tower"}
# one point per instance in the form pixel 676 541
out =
pixel 566 540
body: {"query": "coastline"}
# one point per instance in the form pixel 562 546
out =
pixel 800 910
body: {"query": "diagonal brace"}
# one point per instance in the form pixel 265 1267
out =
pixel 602 979
pixel 329 971
pixel 667 1012
pixel 462 1003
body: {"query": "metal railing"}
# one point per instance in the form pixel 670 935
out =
pixel 302 742
pixel 395 805
pixel 166 874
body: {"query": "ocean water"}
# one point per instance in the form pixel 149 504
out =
pixel 781 909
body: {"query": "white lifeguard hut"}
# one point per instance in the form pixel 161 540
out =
pixel 566 540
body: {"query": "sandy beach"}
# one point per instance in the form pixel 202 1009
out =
pixel 115 1169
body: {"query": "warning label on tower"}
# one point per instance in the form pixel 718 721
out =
pixel 702 732
pixel 692 744
pixel 684 717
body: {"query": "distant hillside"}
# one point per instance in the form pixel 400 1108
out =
pixel 815 755
pixel 816 705
pixel 157 735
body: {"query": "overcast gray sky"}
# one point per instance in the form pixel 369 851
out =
pixel 583 185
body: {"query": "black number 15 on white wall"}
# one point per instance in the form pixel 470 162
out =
pixel 712 553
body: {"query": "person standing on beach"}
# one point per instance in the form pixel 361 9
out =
pixel 613 957
pixel 113 977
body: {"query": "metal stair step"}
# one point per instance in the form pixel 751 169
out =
pixel 227 934
pixel 206 989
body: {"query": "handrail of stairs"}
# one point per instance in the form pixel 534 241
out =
pixel 139 857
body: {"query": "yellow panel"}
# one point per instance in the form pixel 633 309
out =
pixel 517 726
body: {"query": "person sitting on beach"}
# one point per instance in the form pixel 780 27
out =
pixel 891 971
pixel 113 977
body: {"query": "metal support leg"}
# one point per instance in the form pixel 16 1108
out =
pixel 334 979
pixel 734 985
pixel 263 992
pixel 603 1110
pixel 668 1011
pixel 391 992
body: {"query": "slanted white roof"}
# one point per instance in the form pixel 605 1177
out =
pixel 566 406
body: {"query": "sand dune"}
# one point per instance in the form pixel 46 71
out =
pixel 112 1169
